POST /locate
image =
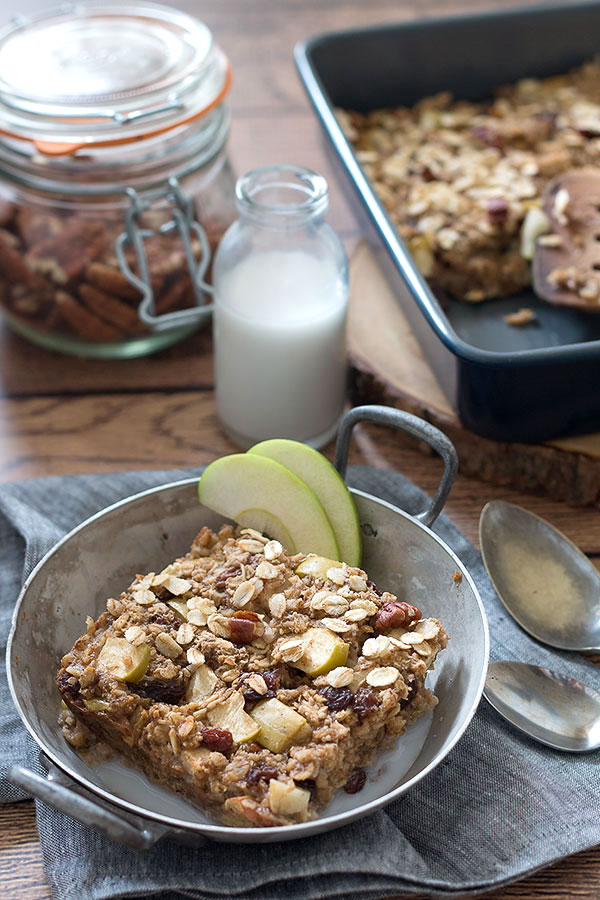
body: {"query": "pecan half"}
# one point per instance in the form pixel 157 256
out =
pixel 497 210
pixel 243 626
pixel 115 312
pixel 395 615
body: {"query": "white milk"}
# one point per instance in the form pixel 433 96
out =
pixel 280 322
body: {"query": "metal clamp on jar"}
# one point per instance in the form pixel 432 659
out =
pixel 114 180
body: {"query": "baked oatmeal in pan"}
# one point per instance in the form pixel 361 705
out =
pixel 253 682
pixel 464 182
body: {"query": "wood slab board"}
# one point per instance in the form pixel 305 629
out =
pixel 387 366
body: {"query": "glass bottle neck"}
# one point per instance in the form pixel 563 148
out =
pixel 281 196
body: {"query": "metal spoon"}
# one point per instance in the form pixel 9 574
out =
pixel 545 582
pixel 551 708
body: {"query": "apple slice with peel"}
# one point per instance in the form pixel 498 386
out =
pixel 280 725
pixel 324 479
pixel 123 660
pixel 262 494
pixel 322 651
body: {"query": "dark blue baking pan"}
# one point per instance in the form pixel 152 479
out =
pixel 506 383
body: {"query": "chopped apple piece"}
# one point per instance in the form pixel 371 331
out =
pixel 323 651
pixel 97 705
pixel 316 566
pixel 280 725
pixel 231 716
pixel 201 684
pixel 192 759
pixel 286 799
pixel 124 660
pixel 180 607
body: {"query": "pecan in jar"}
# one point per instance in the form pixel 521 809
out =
pixel 396 615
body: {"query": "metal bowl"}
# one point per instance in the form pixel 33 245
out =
pixel 98 559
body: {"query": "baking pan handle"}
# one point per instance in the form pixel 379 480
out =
pixel 402 421
pixel 56 791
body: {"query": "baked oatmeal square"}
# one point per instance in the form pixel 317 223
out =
pixel 253 682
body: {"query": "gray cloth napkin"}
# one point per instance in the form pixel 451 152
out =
pixel 497 808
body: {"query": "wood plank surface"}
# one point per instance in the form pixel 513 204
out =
pixel 389 368
pixel 60 415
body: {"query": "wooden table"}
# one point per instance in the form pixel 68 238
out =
pixel 61 415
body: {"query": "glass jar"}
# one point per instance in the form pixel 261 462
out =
pixel 114 178
pixel 281 299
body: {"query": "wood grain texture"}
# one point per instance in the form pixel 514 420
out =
pixel 60 415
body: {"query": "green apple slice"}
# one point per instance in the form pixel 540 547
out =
pixel 123 660
pixel 266 494
pixel 322 651
pixel 280 725
pixel 179 607
pixel 231 715
pixel 324 479
pixel 95 704
pixel 316 566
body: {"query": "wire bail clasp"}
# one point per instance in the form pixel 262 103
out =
pixel 182 220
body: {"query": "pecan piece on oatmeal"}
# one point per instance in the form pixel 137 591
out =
pixel 394 615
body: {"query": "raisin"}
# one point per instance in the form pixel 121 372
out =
pixel 160 619
pixel 67 684
pixel 261 771
pixel 488 136
pixel 272 678
pixel 356 781
pixel 337 698
pixel 412 690
pixel 251 697
pixel 218 739
pixel 365 702
pixel 162 691
pixel 373 586
pixel 310 785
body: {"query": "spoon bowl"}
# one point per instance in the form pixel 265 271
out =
pixel 554 709
pixel 545 582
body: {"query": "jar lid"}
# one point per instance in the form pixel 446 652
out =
pixel 100 74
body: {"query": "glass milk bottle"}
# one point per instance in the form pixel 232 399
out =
pixel 281 298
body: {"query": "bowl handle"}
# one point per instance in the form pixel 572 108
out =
pixel 402 421
pixel 58 791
